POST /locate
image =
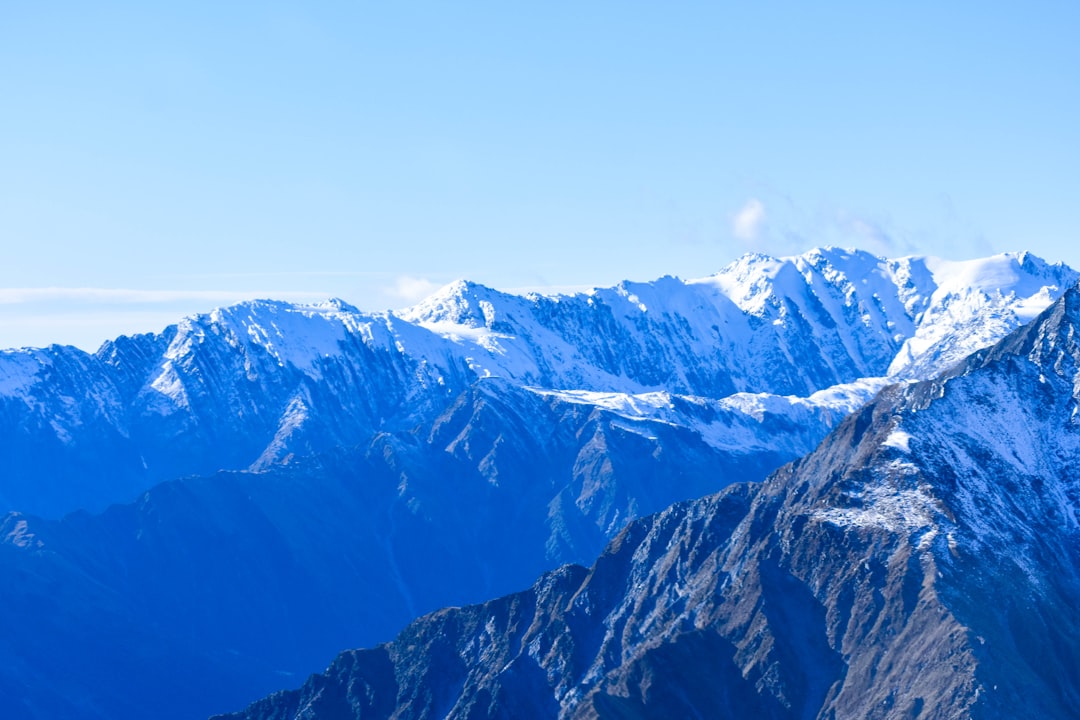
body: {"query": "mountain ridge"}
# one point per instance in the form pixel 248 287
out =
pixel 249 385
pixel 852 583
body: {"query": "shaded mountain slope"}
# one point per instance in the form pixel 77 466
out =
pixel 215 590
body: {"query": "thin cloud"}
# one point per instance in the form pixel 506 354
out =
pixel 746 224
pixel 277 274
pixel 412 289
pixel 126 296
pixel 869 234
pixel 873 237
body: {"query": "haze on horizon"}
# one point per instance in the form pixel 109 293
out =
pixel 163 161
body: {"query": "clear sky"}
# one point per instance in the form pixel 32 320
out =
pixel 157 161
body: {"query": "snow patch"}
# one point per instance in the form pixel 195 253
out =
pixel 898 439
pixel 19 372
pixel 21 536
pixel 170 385
pixel 887 508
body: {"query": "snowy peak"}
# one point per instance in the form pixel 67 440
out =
pixel 20 370
pixel 462 303
pixel 926 313
pixel 296 335
pixel 828 316
pixel 752 279
pixel 1020 274
pixel 973 304
pixel 758 283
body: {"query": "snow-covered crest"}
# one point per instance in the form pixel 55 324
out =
pixel 866 315
pixel 747 343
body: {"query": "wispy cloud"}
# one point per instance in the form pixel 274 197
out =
pixel 126 296
pixel 873 236
pixel 281 274
pixel 868 233
pixel 411 289
pixel 746 224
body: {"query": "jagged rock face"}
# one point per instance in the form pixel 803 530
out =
pixel 251 385
pixel 923 562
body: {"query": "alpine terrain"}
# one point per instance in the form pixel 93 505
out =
pixel 923 562
pixel 195 518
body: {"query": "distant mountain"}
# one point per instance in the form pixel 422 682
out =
pixel 341 473
pixel 248 386
pixel 923 562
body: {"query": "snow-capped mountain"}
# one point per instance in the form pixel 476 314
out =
pixel 256 383
pixel 788 326
pixel 923 562
pixel 349 471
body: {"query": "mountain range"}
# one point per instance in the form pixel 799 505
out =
pixel 217 509
pixel 922 562
pixel 248 386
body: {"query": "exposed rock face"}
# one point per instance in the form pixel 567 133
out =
pixel 923 562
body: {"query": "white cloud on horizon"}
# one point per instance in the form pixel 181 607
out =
pixel 874 237
pixel 127 296
pixel 86 329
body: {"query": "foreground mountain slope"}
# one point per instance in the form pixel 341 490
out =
pixel 253 384
pixel 923 562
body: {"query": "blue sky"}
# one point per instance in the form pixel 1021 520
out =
pixel 160 161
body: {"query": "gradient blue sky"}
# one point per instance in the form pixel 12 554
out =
pixel 160 161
